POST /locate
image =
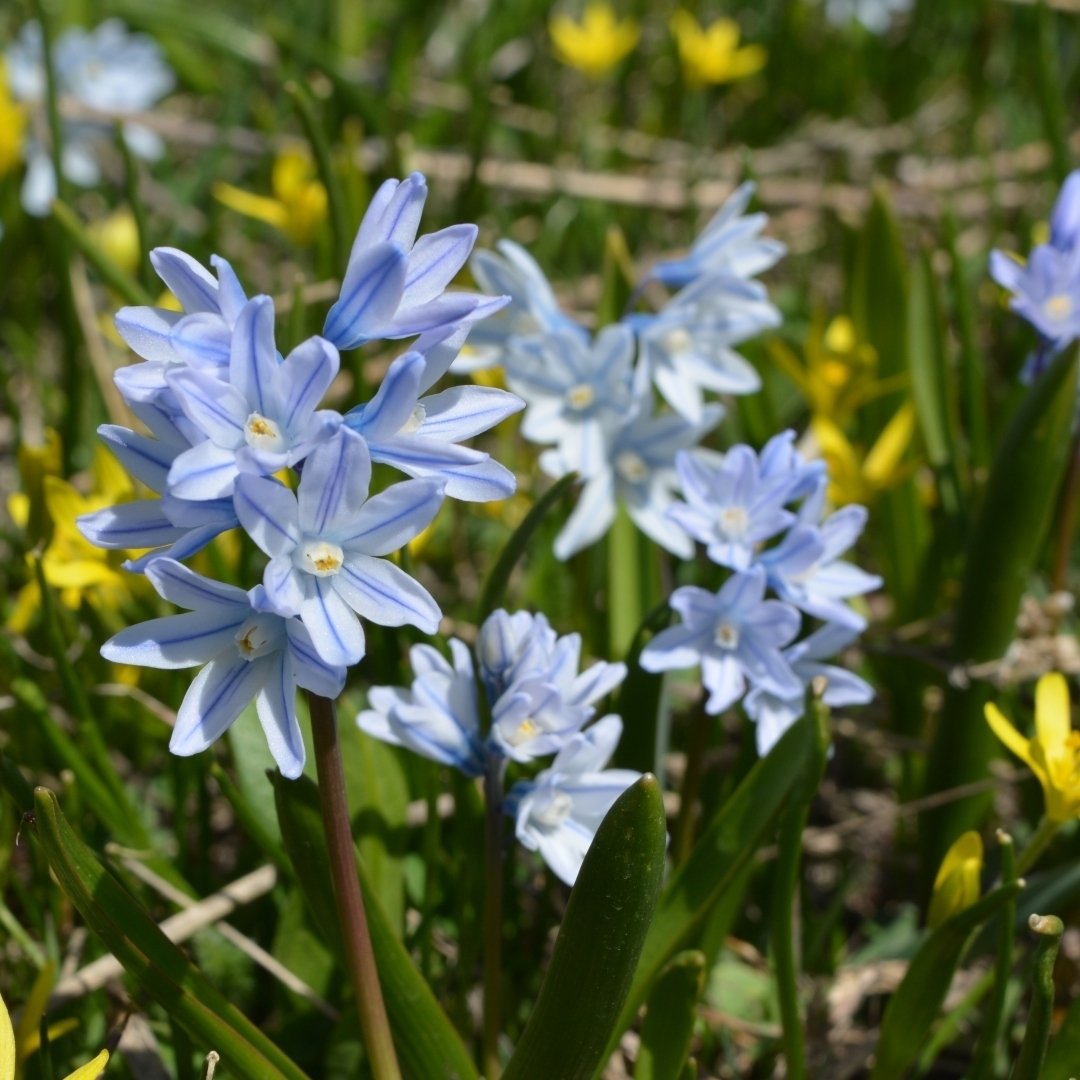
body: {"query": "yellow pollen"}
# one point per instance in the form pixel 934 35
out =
pixel 259 426
pixel 1059 306
pixel 580 396
pixel 326 562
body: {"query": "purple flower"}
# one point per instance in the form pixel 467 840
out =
pixel 263 418
pixel 394 285
pixel 325 544
pixel 735 635
pixel 731 508
pixel 558 813
pixel 247 654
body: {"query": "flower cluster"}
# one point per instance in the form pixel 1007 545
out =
pixel 763 517
pixel 590 398
pixel 1046 289
pixel 226 414
pixel 539 704
pixel 108 73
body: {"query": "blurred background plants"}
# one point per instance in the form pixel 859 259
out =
pixel 894 145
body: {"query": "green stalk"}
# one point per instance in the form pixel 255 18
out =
pixel 696 748
pixel 138 208
pixel 784 921
pixel 52 96
pixel 990 1034
pixel 625 583
pixel 1039 842
pixel 359 955
pixel 1066 522
pixel 1029 1063
pixel 493 915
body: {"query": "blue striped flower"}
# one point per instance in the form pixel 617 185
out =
pixel 325 543
pixel 246 654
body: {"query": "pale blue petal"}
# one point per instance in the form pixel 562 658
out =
pixel 308 668
pixel 202 339
pixel 395 401
pixel 216 697
pixel 217 409
pixel 267 510
pixel 204 472
pixel 389 520
pixel 137 524
pixel 177 641
pixel 301 381
pixel 179 585
pixel 284 587
pixel 253 356
pixel 192 284
pixel 147 331
pixel 276 706
pixel 382 592
pixel 434 262
pixel 335 631
pixel 370 294
pixel 465 411
pixel 334 485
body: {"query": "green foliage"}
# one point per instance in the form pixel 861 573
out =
pixel 599 942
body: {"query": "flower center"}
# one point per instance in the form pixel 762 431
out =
pixel 526 730
pixel 256 638
pixel 727 636
pixel 734 521
pixel 580 397
pixel 631 467
pixel 678 341
pixel 262 433
pixel 1059 307
pixel 553 811
pixel 419 415
pixel 319 557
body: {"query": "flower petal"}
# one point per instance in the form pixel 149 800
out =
pixel 276 705
pixel 267 510
pixel 216 697
pixel 382 592
pixel 370 294
pixel 392 518
pixel 335 630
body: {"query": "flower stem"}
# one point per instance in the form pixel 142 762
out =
pixel 1039 842
pixel 493 914
pixel 359 956
pixel 696 749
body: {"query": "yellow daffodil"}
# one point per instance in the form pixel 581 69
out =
pixel 712 54
pixel 597 43
pixel 858 478
pixel 298 204
pixel 1053 755
pixel 12 126
pixel 70 563
pixel 17 1045
pixel 957 885
pixel 838 372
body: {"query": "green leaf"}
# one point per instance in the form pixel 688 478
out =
pixel 669 1022
pixel 160 968
pixel 599 942
pixel 743 823
pixel 428 1047
pixel 1005 544
pixel 929 389
pixel 912 1009
pixel 1064 1052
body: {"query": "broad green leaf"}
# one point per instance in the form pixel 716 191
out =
pixel 912 1009
pixel 161 969
pixel 669 1022
pixel 599 942
pixel 744 822
pixel 1005 544
pixel 427 1045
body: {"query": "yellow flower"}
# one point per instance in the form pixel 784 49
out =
pixel 859 478
pixel 597 43
pixel 713 55
pixel 12 126
pixel 298 205
pixel 1054 754
pixel 117 236
pixel 17 1046
pixel 71 564
pixel 837 375
pixel 957 885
